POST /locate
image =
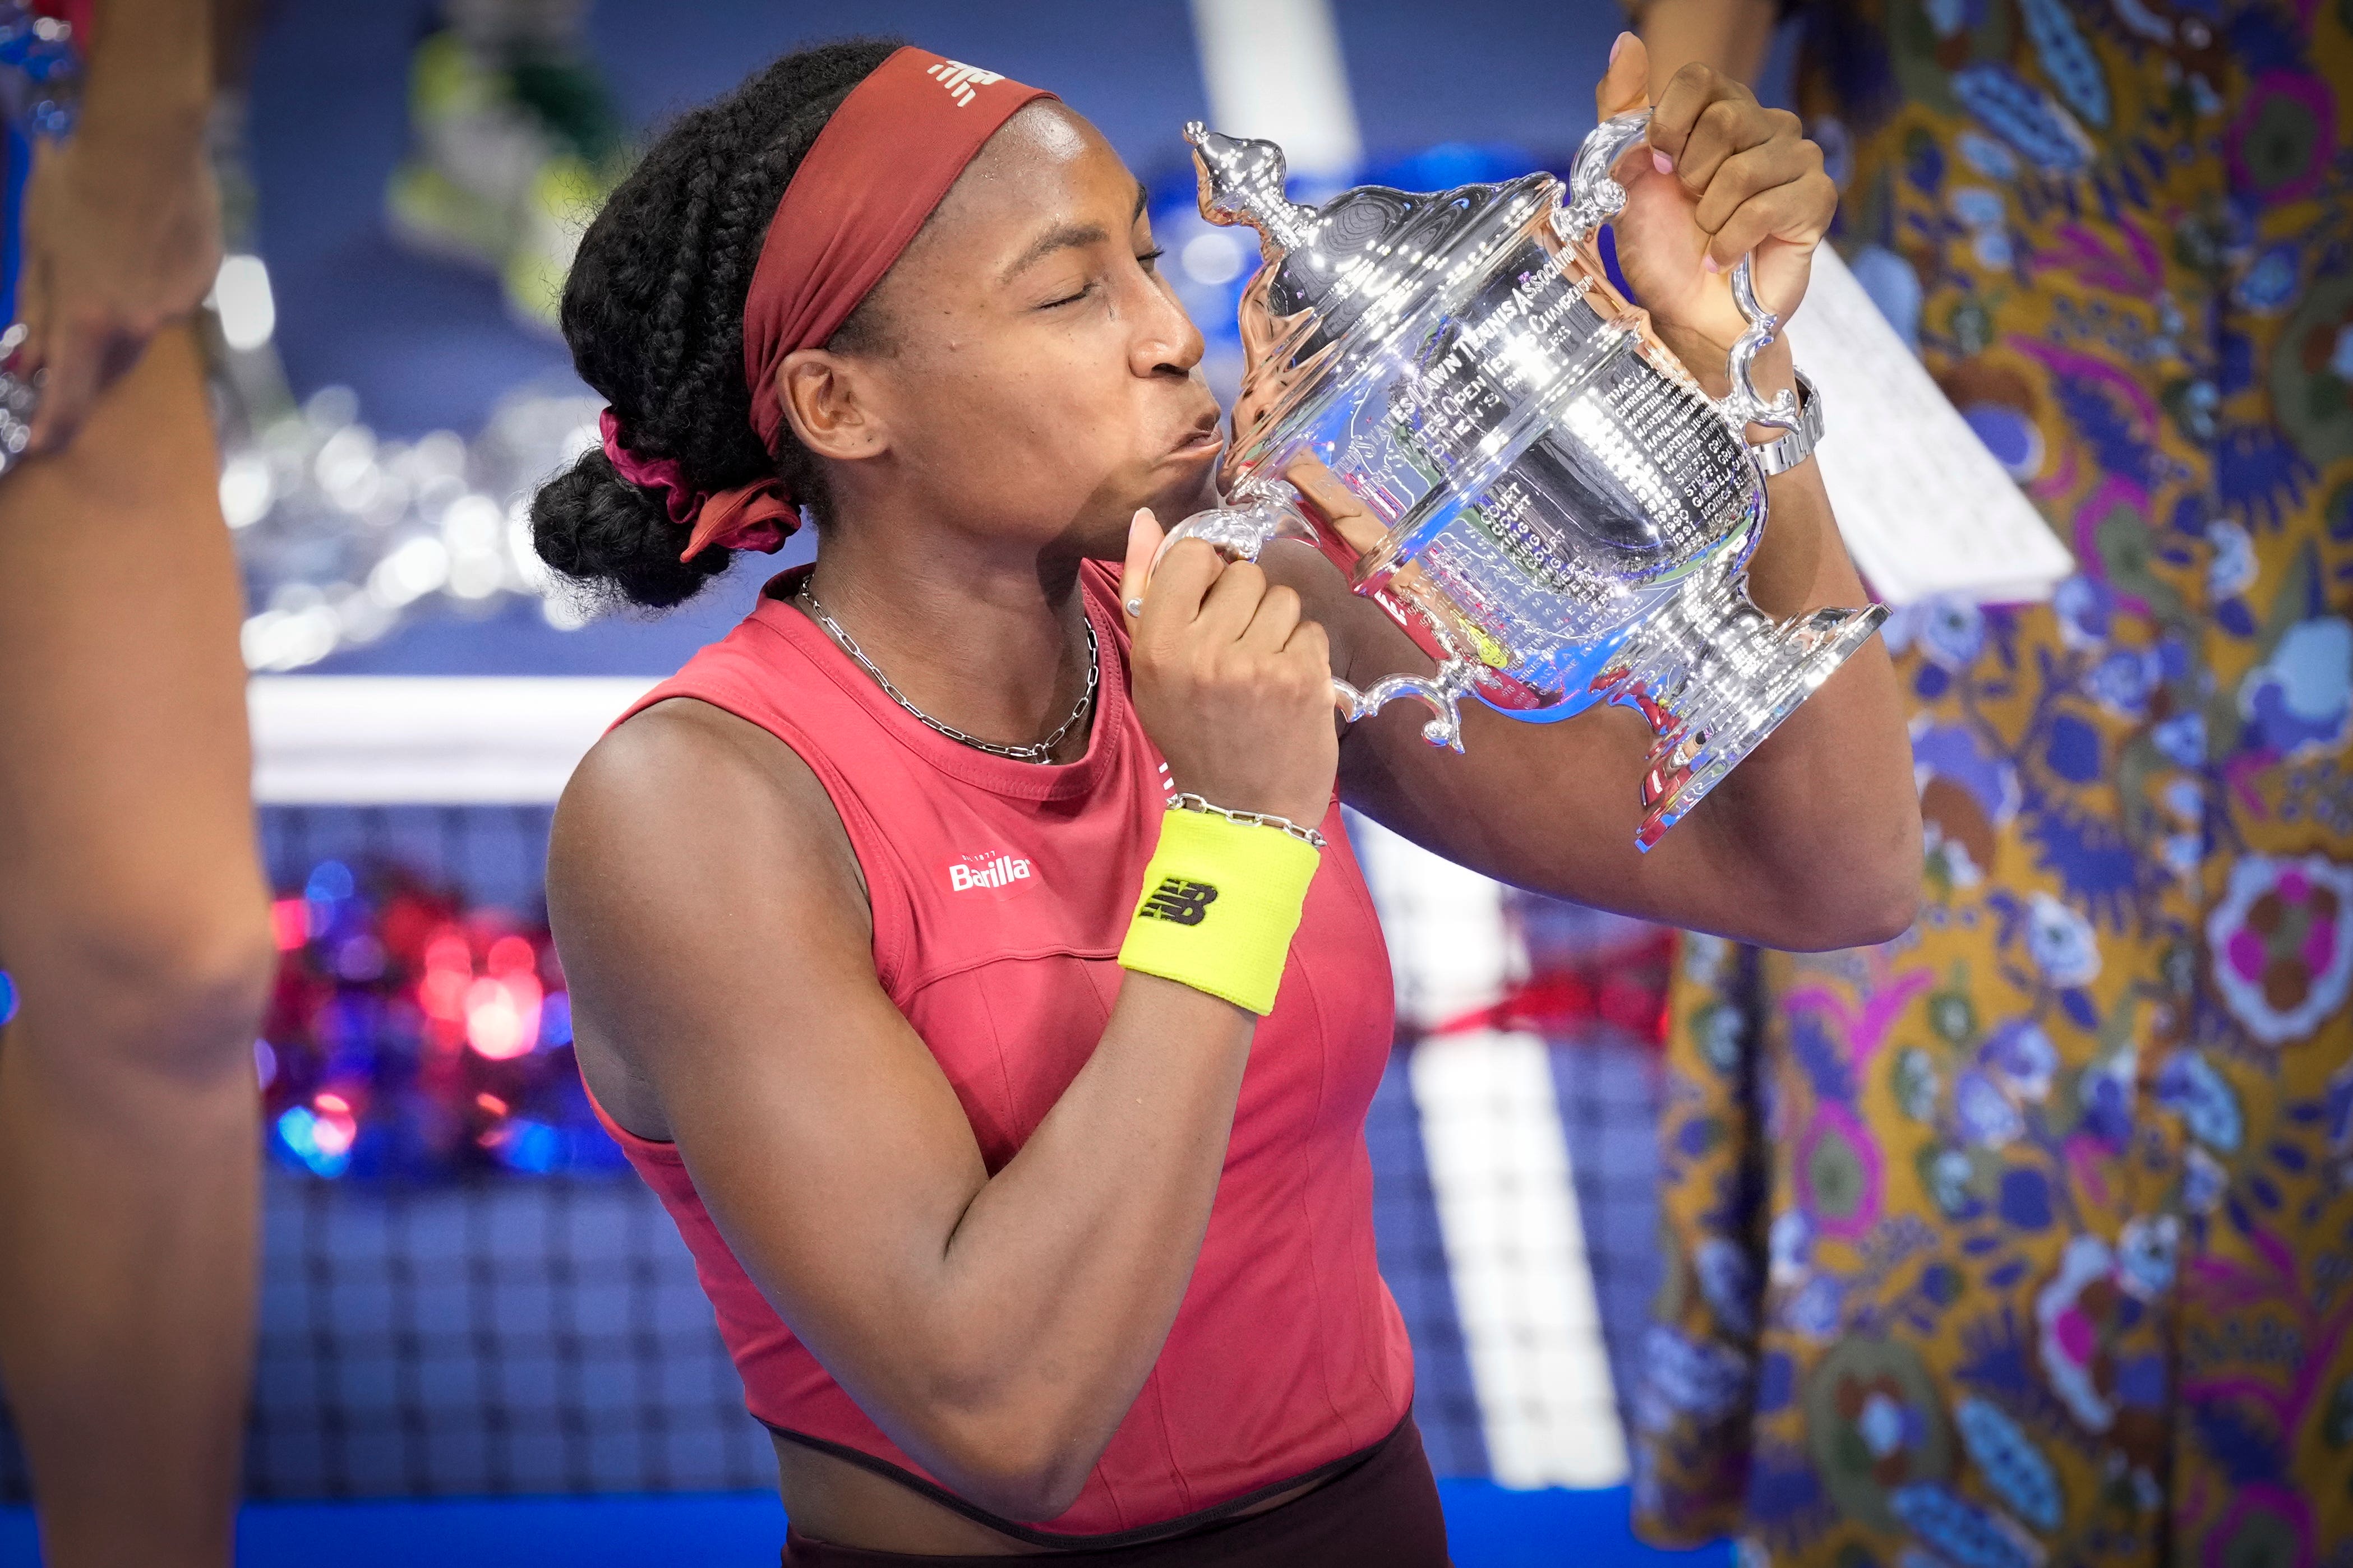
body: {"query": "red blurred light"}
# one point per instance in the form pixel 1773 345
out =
pixel 442 995
pixel 290 923
pixel 502 1016
pixel 448 952
pixel 334 1131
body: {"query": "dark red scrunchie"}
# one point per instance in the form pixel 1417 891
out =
pixel 757 516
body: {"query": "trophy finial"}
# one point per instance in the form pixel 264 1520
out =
pixel 1241 181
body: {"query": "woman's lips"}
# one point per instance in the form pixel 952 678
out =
pixel 1199 443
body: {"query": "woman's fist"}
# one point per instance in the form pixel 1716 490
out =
pixel 1232 685
pixel 1720 176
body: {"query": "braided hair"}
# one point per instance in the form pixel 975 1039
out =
pixel 653 311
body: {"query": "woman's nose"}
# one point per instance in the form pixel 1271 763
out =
pixel 1167 341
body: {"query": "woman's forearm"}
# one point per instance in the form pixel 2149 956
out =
pixel 121 225
pixel 1823 819
pixel 1825 809
pixel 151 73
pixel 1730 36
pixel 1056 1287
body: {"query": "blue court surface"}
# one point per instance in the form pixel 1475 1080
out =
pixel 1491 1526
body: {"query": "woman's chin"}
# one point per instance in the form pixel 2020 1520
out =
pixel 1172 495
pixel 1196 489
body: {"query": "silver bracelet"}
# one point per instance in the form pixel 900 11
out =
pixel 1308 835
pixel 1796 446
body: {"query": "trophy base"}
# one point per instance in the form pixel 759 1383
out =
pixel 1713 675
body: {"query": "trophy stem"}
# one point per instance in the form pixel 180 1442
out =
pixel 1713 675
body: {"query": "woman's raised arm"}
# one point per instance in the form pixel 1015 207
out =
pixel 1813 841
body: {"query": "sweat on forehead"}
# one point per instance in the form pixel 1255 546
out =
pixel 1046 154
pixel 875 174
pixel 1048 181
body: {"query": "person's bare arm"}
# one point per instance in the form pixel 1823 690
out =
pixel 1813 841
pixel 996 1328
pixel 122 224
pixel 1728 36
pixel 717 940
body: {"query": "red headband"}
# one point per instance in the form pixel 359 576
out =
pixel 882 163
pixel 879 167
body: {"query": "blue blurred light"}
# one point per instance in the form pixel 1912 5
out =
pixel 1608 241
pixel 531 1146
pixel 299 1129
pixel 556 1021
pixel 329 896
pixel 8 999
pixel 331 882
pixel 1452 163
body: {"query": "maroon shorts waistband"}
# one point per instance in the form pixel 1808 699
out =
pixel 1381 1513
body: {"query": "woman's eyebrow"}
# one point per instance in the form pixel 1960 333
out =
pixel 1061 237
pixel 1065 236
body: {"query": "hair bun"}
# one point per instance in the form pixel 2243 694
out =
pixel 615 540
pixel 653 309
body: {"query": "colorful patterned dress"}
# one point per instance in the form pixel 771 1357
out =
pixel 2028 1237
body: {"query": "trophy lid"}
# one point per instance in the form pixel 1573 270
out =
pixel 1241 181
pixel 1366 247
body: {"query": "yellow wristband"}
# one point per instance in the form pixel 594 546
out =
pixel 1220 902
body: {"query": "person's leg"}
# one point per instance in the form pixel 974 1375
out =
pixel 133 919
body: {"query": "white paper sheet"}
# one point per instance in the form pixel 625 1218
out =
pixel 1923 507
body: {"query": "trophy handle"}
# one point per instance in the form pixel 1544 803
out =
pixel 1742 407
pixel 1595 197
pixel 1268 511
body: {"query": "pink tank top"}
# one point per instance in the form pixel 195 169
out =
pixel 1001 890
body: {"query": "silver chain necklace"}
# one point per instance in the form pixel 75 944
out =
pixel 1035 751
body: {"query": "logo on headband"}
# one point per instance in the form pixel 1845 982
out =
pixel 960 78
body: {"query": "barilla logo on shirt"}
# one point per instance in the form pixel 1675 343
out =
pixel 988 868
pixel 960 78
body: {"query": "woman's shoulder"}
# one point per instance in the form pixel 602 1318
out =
pixel 693 860
pixel 684 780
pixel 682 759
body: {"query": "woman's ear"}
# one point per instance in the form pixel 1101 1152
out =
pixel 831 404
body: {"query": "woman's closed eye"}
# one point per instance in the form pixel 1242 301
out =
pixel 1148 260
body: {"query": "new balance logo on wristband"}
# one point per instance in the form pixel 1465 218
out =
pixel 1187 903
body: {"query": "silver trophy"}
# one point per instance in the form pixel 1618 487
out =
pixel 1444 394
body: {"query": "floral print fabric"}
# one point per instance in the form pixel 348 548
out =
pixel 2028 1237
